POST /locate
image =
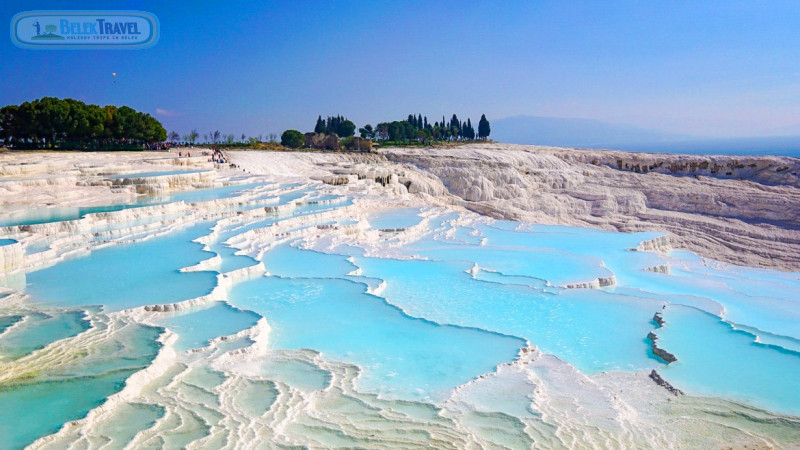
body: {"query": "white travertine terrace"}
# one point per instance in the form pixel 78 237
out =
pixel 738 209
pixel 751 221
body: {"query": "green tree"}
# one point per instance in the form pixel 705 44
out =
pixel 9 124
pixel 367 132
pixel 193 135
pixel 346 128
pixel 71 124
pixel 483 127
pixel 320 126
pixel 382 131
pixel 292 139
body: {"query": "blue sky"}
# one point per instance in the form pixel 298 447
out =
pixel 712 68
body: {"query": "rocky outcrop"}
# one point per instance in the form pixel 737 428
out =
pixel 313 140
pixel 660 244
pixel 664 383
pixel 594 284
pixel 322 141
pixel 335 181
pixel 666 356
pixel 768 170
pixel 658 351
pixel 661 268
pixel 331 142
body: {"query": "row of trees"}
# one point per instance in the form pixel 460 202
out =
pixel 417 128
pixel 414 128
pixel 217 138
pixel 339 125
pixel 71 124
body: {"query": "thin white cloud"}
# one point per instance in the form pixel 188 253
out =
pixel 166 112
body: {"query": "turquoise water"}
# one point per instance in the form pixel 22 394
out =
pixel 197 326
pixel 37 330
pixel 715 359
pixel 291 262
pixel 57 214
pixel 7 321
pixel 740 296
pixel 308 304
pixel 591 329
pixel 230 260
pixel 128 275
pixel 416 328
pixel 38 405
pixel 395 218
pixel 400 356
pixel 154 174
pixel 205 195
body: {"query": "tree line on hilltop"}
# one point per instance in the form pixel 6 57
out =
pixel 415 128
pixel 338 125
pixel 66 124
pixel 418 128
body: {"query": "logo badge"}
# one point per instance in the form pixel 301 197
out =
pixel 84 29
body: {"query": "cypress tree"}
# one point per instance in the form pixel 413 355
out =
pixel 320 126
pixel 483 127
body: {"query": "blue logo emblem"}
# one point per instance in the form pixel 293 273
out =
pixel 84 29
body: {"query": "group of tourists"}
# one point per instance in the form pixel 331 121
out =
pixel 217 156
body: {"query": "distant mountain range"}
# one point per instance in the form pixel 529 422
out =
pixel 589 133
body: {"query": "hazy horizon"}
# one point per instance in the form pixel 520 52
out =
pixel 716 70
